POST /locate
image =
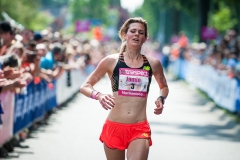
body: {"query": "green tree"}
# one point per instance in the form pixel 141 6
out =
pixel 84 9
pixel 222 19
pixel 166 15
pixel 22 11
pixel 232 5
pixel 115 3
pixel 150 11
pixel 54 3
pixel 189 15
pixel 41 21
pixel 25 12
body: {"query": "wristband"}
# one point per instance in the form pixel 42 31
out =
pixel 94 94
pixel 162 99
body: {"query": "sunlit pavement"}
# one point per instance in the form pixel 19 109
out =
pixel 190 128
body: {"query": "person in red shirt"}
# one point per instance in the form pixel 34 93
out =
pixel 183 43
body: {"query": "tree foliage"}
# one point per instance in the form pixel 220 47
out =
pixel 187 6
pixel 25 12
pixel 222 19
pixel 22 11
pixel 54 3
pixel 90 9
pixel 151 10
pixel 41 21
pixel 234 9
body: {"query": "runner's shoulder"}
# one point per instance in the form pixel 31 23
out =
pixel 154 62
pixel 108 61
pixel 111 58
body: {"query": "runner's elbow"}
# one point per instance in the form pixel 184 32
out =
pixel 84 87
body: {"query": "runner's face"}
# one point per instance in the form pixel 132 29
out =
pixel 136 34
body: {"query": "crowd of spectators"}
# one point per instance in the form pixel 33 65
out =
pixel 35 56
pixel 222 54
pixel 42 56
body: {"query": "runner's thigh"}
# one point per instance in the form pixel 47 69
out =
pixel 114 154
pixel 138 149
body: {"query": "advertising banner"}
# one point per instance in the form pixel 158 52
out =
pixel 51 99
pixel 209 33
pixel 82 26
pixel 63 90
pixel 31 106
pixel 238 97
pixel 223 90
pixel 21 110
pixel 225 93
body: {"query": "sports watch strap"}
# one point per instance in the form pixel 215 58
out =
pixel 162 99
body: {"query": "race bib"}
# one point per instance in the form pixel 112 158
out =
pixel 133 82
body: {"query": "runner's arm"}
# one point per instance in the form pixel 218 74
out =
pixel 159 76
pixel 102 68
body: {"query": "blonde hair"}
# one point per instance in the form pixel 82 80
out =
pixel 124 29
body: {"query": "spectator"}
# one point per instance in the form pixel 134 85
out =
pixel 7 35
pixel 37 37
pixel 27 36
pixel 182 42
pixel 31 45
pixel 165 57
pixel 51 58
pixel 89 67
pixel 41 49
pixel 50 63
pixel 18 49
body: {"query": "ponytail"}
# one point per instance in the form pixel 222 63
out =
pixel 123 47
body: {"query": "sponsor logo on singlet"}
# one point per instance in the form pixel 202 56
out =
pixel 147 68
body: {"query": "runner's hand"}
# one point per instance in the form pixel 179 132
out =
pixel 106 100
pixel 159 106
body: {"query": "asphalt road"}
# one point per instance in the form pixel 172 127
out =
pixel 190 128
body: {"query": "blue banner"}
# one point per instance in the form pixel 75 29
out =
pixel 33 105
pixel 51 100
pixel 238 97
pixel 223 90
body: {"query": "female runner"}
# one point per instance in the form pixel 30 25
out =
pixel 130 72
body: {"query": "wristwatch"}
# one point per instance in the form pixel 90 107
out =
pixel 162 99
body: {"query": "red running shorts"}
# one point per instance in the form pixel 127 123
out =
pixel 119 135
